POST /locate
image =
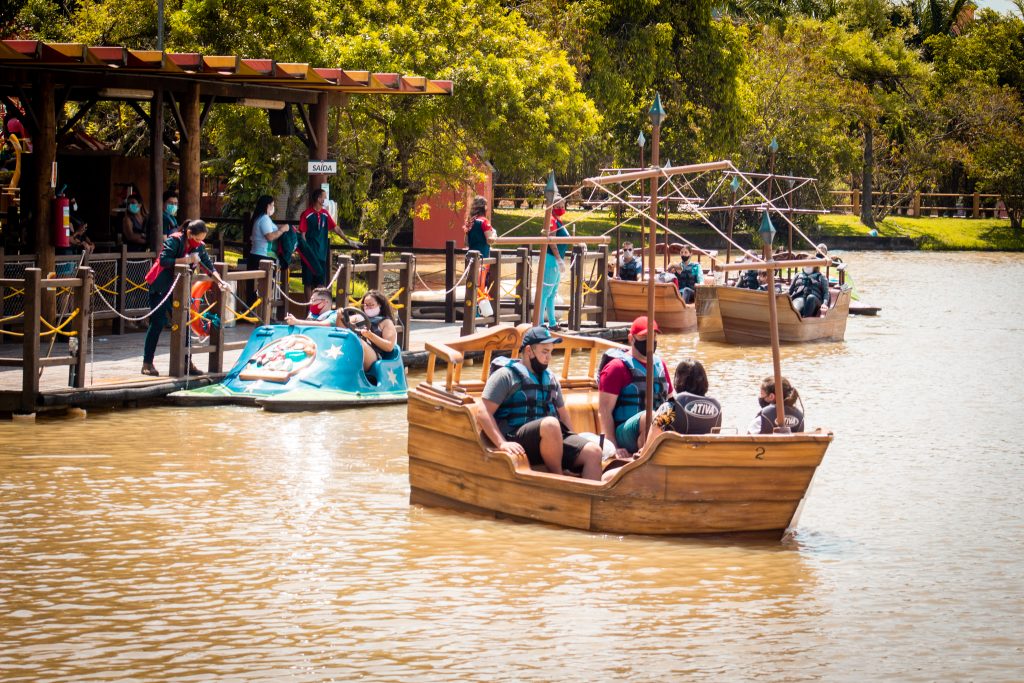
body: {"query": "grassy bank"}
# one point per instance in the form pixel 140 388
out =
pixel 982 234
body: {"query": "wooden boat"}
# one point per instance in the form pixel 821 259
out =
pixel 740 316
pixel 629 300
pixel 680 485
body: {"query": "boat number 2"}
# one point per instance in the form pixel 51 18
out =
pixel 759 453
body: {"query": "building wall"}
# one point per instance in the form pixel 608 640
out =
pixel 448 212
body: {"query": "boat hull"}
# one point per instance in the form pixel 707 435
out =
pixel 628 300
pixel 740 316
pixel 681 486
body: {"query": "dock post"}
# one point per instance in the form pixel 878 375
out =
pixel 602 292
pixel 469 312
pixel 121 270
pixel 344 282
pixel 449 281
pixel 494 285
pixel 408 282
pixel 216 362
pixel 181 301
pixel 522 308
pixel 376 278
pixel 83 302
pixel 267 306
pixel 30 342
pixel 576 296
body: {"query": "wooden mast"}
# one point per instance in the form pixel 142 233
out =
pixel 550 190
pixel 657 114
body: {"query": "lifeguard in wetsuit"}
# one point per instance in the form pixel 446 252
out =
pixel 623 387
pixel 525 413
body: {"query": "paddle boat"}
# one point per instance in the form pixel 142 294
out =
pixel 680 485
pixel 286 368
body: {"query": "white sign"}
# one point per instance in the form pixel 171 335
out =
pixel 325 167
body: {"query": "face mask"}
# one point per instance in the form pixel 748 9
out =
pixel 270 210
pixel 172 209
pixel 558 211
pixel 641 346
pixel 372 311
pixel 808 270
pixel 685 258
pixel 194 244
pixel 316 308
pixel 134 208
pixel 537 366
pixel 763 402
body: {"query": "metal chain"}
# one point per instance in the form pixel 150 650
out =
pixel 151 311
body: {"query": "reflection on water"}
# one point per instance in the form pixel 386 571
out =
pixel 176 544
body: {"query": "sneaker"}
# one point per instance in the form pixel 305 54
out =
pixel 150 369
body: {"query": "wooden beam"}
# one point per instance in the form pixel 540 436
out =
pixel 45 152
pixel 83 109
pixel 156 169
pixel 178 120
pixel 188 192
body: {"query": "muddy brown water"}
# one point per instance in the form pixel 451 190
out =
pixel 224 543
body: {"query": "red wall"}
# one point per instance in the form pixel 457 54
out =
pixel 446 221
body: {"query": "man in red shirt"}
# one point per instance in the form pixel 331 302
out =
pixel 315 225
pixel 623 387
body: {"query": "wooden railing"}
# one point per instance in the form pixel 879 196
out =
pixel 923 204
pixel 374 271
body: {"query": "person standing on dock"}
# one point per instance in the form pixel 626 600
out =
pixel 314 228
pixel 554 265
pixel 525 413
pixel 623 385
pixel 479 234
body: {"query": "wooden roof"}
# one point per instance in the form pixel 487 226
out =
pixel 155 65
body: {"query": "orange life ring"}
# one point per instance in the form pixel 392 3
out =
pixel 200 325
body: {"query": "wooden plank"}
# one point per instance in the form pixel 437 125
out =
pixel 680 517
pixel 737 484
pixel 764 451
pixel 628 300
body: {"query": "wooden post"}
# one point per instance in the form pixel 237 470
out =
pixel 494 286
pixel 449 281
pixel 156 169
pixel 773 317
pixel 30 342
pixel 180 308
pixel 522 308
pixel 917 203
pixel 538 314
pixel 602 293
pixel 408 281
pixel 376 278
pixel 45 152
pixel 976 205
pixel 318 139
pixel 188 192
pixel 651 369
pixel 469 311
pixel 855 202
pixel 344 282
pixel 83 302
pixel 217 332
pixel 267 307
pixel 576 296
pixel 618 249
pixel 120 301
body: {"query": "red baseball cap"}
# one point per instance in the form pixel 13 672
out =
pixel 639 326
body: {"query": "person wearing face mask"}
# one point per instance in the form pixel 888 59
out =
pixel 381 339
pixel 80 241
pixel 321 311
pixel 689 275
pixel 315 226
pixel 263 233
pixel 764 421
pixel 809 292
pixel 170 212
pixel 554 265
pixel 187 248
pixel 525 414
pixel 630 266
pixel 623 386
pixel 133 224
pixel 691 410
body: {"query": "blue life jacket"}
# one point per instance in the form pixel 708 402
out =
pixel 794 419
pixel 631 400
pixel 532 399
pixel 687 277
pixel 630 270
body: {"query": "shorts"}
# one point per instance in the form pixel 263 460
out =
pixel 628 433
pixel 528 436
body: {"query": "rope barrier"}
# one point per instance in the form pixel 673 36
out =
pixel 245 315
pixel 143 317
pixel 458 284
pixel 12 317
pixel 60 328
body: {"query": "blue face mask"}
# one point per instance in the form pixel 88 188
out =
pixel 134 208
pixel 172 209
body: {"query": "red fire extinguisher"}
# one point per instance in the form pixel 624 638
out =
pixel 61 222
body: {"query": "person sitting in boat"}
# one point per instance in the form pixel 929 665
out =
pixel 809 292
pixel 749 279
pixel 321 310
pixel 667 276
pixel 622 386
pixel 764 421
pixel 381 338
pixel 690 411
pixel 630 265
pixel 526 414
pixel 690 275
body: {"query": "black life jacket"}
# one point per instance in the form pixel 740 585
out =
pixel 748 280
pixel 695 414
pixel 794 419
pixel 687 277
pixel 630 270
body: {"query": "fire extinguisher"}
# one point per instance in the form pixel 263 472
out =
pixel 61 222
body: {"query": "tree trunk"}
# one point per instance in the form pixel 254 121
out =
pixel 867 216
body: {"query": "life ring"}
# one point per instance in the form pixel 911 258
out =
pixel 200 325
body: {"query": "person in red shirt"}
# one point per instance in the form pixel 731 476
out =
pixel 314 228
pixel 623 386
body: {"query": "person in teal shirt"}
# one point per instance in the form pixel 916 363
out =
pixel 554 265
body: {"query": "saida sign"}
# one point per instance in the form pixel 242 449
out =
pixel 324 167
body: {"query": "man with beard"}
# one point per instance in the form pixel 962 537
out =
pixel 526 415
pixel 623 387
